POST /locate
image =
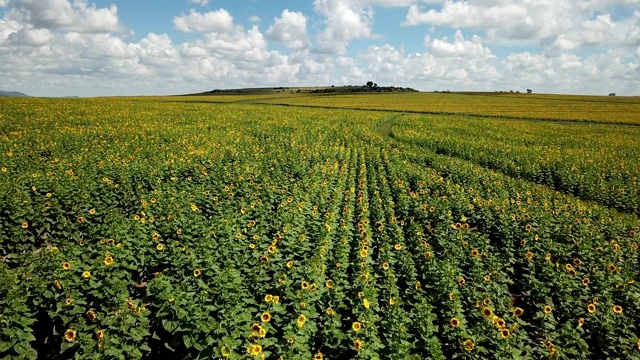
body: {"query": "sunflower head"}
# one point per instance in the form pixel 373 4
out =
pixel 108 261
pixel 486 312
pixel 265 317
pixel 617 309
pixel 358 344
pixel 468 345
pixel 356 326
pixel 504 333
pixel 454 322
pixel 517 312
pixel 70 335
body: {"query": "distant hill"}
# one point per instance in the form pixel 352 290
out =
pixel 12 94
pixel 343 89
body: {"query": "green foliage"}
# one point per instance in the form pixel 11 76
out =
pixel 166 228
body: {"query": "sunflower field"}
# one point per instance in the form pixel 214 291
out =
pixel 217 227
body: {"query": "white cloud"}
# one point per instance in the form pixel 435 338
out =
pixel 31 37
pixel 345 20
pixel 72 47
pixel 4 3
pixel 290 29
pixel 78 16
pixel 459 47
pixel 212 21
pixel 199 2
pixel 391 3
pixel 632 37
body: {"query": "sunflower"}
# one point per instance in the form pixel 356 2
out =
pixel 91 315
pixel 25 225
pixel 356 326
pixel 268 298
pixel 591 308
pixel 155 236
pixel 468 345
pixel 318 356
pixel 301 320
pixel 580 322
pixel 487 278
pixel 252 246
pixel 92 211
pixel 585 281
pixel 70 335
pixel 474 252
pixel 547 309
pixel 329 284
pixel 265 317
pixel 363 253
pixel 358 344
pixel 617 309
pixel 264 259
pixel 331 312
pixel 254 349
pixel 517 312
pixel 79 219
pixel 57 285
pixel 66 265
pixel 462 281
pixel 385 266
pixel 397 247
pixel 454 322
pixel 68 301
pixel 271 249
pixel 289 264
pixel 304 285
pixel 611 268
pixel 487 312
pixel 160 247
pixel 547 257
pixel 569 267
pixel 529 255
pixel 108 261
pixel 365 303
pixel 392 301
pixel 197 272
pixel 100 334
pixel 501 324
pixel 504 333
pixel 86 274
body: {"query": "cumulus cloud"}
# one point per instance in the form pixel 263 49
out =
pixel 85 49
pixel 199 2
pixel 212 21
pixel 78 16
pixel 459 47
pixel 529 20
pixel 345 20
pixel 290 29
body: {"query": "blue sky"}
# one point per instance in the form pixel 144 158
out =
pixel 157 47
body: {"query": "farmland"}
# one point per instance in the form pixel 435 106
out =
pixel 395 226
